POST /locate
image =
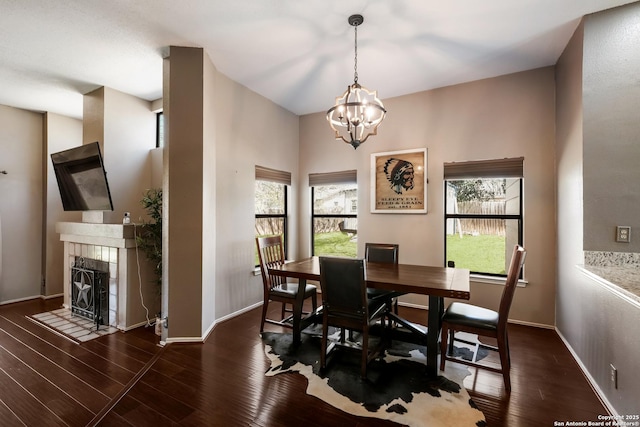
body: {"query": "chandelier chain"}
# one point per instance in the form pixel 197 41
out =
pixel 355 59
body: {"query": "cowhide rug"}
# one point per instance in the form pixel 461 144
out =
pixel 396 387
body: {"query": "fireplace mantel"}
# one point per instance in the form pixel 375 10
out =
pixel 115 244
pixel 112 235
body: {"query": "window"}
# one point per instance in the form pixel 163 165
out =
pixel 271 204
pixel 159 130
pixel 334 213
pixel 483 214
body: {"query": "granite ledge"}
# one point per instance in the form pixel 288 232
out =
pixel 625 279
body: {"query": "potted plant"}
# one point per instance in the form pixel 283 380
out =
pixel 149 236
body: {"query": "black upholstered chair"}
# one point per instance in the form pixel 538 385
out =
pixel 276 288
pixel 385 253
pixel 461 317
pixel 346 306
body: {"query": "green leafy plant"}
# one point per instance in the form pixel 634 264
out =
pixel 149 234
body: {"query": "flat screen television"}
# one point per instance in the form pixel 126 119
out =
pixel 82 179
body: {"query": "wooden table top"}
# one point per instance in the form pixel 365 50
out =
pixel 417 279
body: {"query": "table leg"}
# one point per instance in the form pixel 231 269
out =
pixel 297 312
pixel 433 332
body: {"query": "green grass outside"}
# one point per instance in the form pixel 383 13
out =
pixel 335 244
pixel 483 253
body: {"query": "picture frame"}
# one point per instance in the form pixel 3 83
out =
pixel 399 182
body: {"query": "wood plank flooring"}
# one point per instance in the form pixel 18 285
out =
pixel 126 379
pixel 47 380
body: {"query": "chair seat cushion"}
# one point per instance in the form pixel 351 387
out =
pixel 291 290
pixel 463 314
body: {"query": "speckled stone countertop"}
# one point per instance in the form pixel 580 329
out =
pixel 621 269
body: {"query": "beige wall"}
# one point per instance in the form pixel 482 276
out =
pixel 209 204
pixel 129 135
pixel 611 128
pixel 507 116
pixel 61 133
pixel 93 117
pixel 125 127
pixel 250 131
pixel 210 172
pixel 183 211
pixel 21 206
pixel 592 319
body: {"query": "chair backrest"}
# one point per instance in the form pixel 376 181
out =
pixel 270 254
pixel 517 261
pixel 344 291
pixel 381 252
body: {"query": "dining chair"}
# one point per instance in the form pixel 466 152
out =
pixel 276 288
pixel 384 253
pixel 462 317
pixel 346 306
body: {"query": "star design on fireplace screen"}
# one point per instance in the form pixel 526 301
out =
pixel 83 292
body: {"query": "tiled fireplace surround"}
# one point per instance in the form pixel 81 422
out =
pixel 115 244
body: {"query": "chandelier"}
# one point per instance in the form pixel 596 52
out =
pixel 358 112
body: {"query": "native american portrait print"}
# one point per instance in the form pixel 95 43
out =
pixel 398 182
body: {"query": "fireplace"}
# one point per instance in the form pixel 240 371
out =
pixel 90 290
pixel 109 249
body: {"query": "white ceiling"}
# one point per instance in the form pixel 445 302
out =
pixel 297 53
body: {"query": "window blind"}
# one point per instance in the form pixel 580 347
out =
pixel 273 175
pixel 498 168
pixel 329 178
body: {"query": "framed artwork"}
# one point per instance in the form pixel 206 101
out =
pixel 399 181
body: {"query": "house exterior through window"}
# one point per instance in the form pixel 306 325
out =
pixel 334 213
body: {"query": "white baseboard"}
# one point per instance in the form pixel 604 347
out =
pixel 45 297
pixel 184 340
pixel 590 379
pixel 411 305
pixel 535 325
pixel 134 326
pixel 212 327
pixel 518 322
pixel 11 301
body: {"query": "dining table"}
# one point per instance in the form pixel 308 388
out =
pixel 436 282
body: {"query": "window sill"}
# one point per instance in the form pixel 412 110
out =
pixel 479 278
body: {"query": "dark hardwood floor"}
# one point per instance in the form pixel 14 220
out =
pixel 126 379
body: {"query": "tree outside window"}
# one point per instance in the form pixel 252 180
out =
pixel 271 208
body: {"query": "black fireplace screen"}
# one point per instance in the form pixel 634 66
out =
pixel 89 294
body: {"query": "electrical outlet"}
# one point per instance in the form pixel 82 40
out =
pixel 614 376
pixel 623 234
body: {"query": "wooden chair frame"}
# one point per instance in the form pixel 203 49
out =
pixel 458 323
pixel 276 288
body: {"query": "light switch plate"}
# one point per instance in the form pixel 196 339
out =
pixel 623 234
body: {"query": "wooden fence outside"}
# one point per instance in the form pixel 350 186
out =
pixel 481 226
